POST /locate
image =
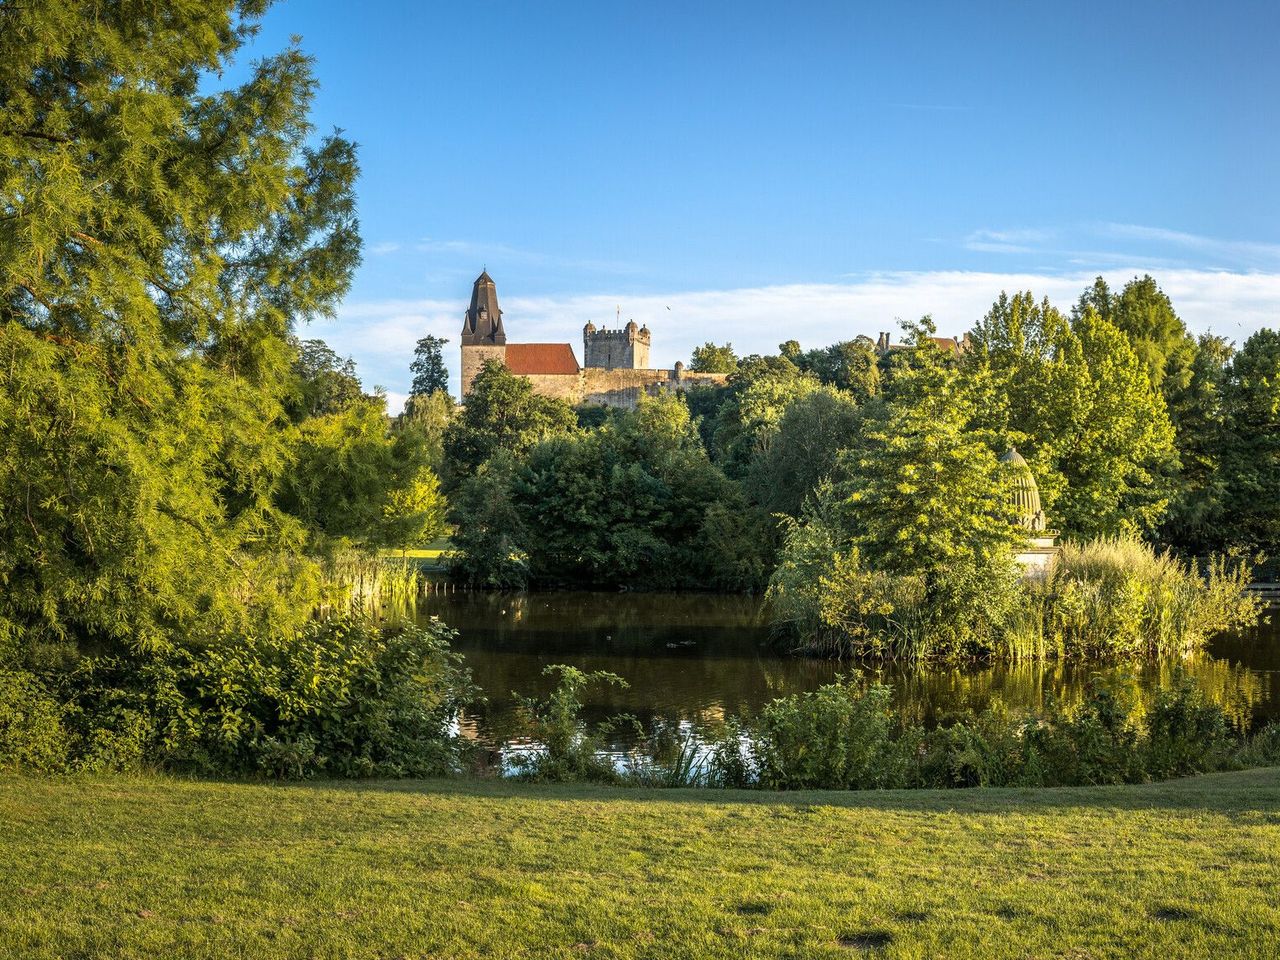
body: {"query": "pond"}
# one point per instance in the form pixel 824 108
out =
pixel 693 659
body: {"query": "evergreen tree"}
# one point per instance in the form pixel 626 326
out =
pixel 429 373
pixel 159 238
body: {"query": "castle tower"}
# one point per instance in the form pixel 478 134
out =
pixel 625 349
pixel 483 337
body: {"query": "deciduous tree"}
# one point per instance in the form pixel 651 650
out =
pixel 159 238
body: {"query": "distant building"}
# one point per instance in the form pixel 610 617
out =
pixel 955 345
pixel 616 372
pixel 1041 546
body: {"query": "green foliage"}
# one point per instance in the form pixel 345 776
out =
pixel 1195 523
pixel 846 735
pixel 1104 600
pixel 1123 598
pixel 1263 748
pixel 710 358
pixel 489 538
pixel 908 549
pixel 429 373
pixel 143 328
pixel 851 365
pixel 804 450
pixel 354 478
pixel 627 504
pixel 502 413
pixel 1080 406
pixel 757 395
pixel 1145 315
pixel 32 735
pixel 832 738
pixel 339 697
pixel 323 384
pixel 427 418
pixel 1251 445
pixel 566 750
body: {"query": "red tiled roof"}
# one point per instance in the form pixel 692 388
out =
pixel 541 358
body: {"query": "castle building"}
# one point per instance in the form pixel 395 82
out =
pixel 625 349
pixel 615 371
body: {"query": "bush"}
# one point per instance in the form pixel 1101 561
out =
pixel 32 735
pixel 1108 599
pixel 1263 748
pixel 565 749
pixel 1185 734
pixel 339 697
pixel 833 738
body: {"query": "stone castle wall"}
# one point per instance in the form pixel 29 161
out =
pixel 624 388
pixel 473 361
pixel 616 349
pixel 566 386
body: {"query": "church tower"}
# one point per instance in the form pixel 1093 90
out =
pixel 482 335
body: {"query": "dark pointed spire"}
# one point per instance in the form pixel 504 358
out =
pixel 483 322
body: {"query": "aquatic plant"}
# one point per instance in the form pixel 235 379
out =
pixel 562 747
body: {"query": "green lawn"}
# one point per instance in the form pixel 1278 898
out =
pixel 156 867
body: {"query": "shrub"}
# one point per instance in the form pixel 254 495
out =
pixel 339 696
pixel 832 738
pixel 1108 599
pixel 1122 598
pixel 565 748
pixel 1263 748
pixel 1186 734
pixel 32 735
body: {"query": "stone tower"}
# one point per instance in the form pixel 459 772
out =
pixel 625 349
pixel 482 335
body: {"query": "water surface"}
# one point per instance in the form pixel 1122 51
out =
pixel 693 659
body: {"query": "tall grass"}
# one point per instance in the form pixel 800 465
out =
pixel 1122 598
pixel 1112 599
pixel 367 584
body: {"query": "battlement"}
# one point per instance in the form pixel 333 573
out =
pixel 626 348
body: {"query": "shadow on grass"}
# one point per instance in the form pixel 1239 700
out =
pixel 1236 791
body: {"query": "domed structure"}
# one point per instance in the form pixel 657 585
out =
pixel 1026 495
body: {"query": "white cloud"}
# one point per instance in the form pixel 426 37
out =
pixel 1249 252
pixel 381 335
pixel 382 249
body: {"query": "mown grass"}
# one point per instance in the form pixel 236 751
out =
pixel 155 867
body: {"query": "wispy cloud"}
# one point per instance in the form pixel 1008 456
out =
pixel 1231 252
pixel 1132 244
pixel 1007 241
pixel 382 249
pixel 380 335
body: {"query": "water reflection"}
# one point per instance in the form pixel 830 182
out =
pixel 695 659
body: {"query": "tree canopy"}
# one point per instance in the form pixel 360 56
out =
pixel 429 373
pixel 159 239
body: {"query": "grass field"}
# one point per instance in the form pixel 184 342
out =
pixel 155 867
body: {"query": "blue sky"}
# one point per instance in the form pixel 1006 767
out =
pixel 809 170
